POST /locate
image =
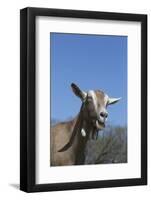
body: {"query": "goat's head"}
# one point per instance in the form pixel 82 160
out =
pixel 94 105
pixel 93 112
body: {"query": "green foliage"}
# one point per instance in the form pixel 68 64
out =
pixel 111 147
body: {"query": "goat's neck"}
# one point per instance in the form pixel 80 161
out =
pixel 81 142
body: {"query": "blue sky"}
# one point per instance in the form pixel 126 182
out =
pixel 92 62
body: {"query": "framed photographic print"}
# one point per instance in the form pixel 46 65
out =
pixel 83 99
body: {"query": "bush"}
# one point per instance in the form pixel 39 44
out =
pixel 111 147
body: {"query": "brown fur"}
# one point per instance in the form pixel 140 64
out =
pixel 100 98
pixel 60 134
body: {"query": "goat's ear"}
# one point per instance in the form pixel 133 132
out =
pixel 113 100
pixel 78 92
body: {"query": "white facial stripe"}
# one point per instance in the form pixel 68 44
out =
pixel 106 99
pixel 94 98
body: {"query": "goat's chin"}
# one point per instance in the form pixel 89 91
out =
pixel 99 125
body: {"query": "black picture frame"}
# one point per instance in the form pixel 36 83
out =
pixel 28 99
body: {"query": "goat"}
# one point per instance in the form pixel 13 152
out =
pixel 74 134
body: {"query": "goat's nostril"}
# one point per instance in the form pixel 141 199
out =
pixel 104 114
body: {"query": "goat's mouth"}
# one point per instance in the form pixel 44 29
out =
pixel 99 124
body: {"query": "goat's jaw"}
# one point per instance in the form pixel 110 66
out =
pixel 99 125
